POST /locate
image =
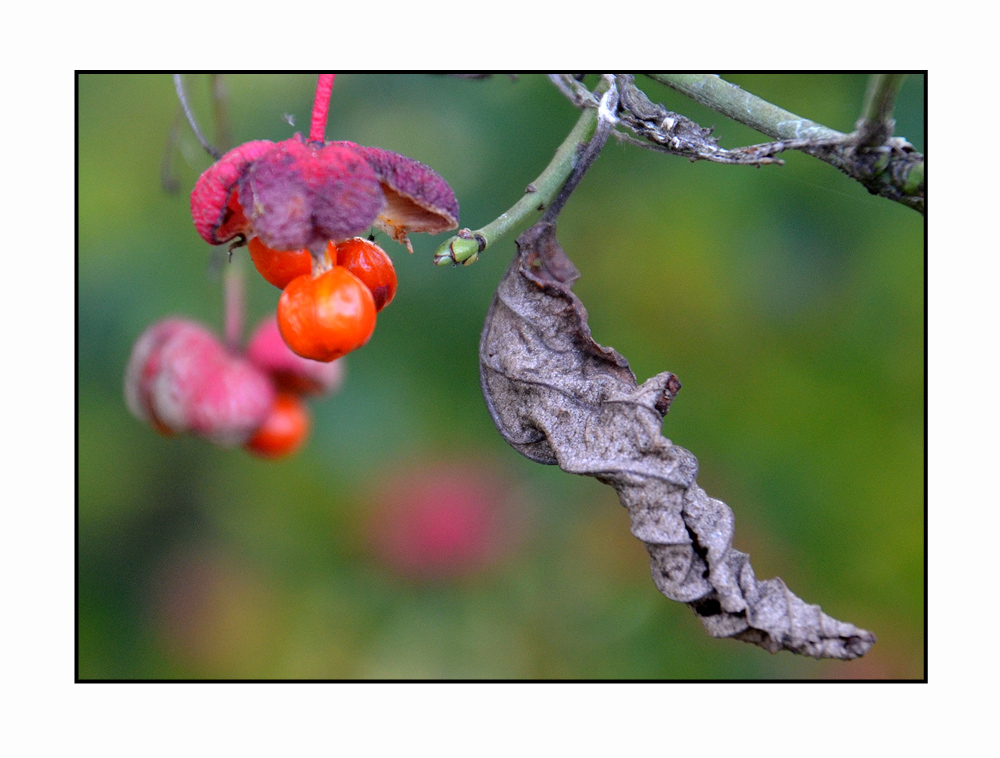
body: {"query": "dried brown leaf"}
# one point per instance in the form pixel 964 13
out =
pixel 560 398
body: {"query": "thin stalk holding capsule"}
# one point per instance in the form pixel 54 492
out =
pixel 321 108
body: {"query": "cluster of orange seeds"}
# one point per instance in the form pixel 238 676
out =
pixel 328 305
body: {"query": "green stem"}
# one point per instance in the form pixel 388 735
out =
pixel 883 89
pixel 876 123
pixel 898 175
pixel 739 105
pixel 466 246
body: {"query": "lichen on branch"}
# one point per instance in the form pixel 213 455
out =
pixel 559 398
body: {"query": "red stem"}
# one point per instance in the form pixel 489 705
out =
pixel 321 107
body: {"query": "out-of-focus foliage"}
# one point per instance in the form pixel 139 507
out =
pixel 789 302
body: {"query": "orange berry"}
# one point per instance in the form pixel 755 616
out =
pixel 283 431
pixel 370 264
pixel 326 317
pixel 279 267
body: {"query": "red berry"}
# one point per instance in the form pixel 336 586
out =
pixel 292 373
pixel 326 317
pixel 279 267
pixel 283 431
pixel 371 265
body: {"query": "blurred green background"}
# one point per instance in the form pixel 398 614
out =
pixel 788 300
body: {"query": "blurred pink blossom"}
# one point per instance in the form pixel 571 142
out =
pixel 444 521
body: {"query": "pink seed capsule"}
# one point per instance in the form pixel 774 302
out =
pixel 292 373
pixel 214 208
pixel 418 199
pixel 143 367
pixel 180 379
pixel 303 195
pixel 299 195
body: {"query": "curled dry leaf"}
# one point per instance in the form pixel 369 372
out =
pixel 560 398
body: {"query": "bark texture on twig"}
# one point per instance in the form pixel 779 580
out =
pixel 560 398
pixel 663 130
pixel 885 165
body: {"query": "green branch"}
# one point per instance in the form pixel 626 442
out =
pixel 740 105
pixel 883 164
pixel 876 123
pixel 464 248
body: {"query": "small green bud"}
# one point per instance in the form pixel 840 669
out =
pixel 460 250
pixel 914 179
